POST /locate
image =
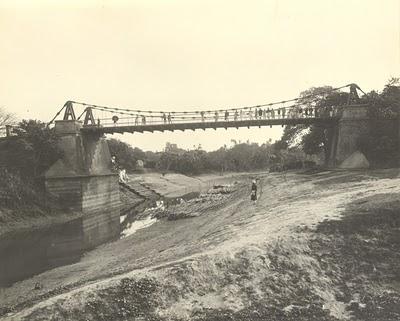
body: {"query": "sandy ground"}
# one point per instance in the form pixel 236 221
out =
pixel 175 185
pixel 288 257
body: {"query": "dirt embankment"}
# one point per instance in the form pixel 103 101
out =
pixel 315 247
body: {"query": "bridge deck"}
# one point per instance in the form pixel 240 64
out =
pixel 206 125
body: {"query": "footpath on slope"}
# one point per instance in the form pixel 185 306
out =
pixel 319 246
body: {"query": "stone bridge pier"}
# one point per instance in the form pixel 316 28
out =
pixel 344 136
pixel 83 181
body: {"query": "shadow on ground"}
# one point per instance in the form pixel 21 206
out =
pixel 361 255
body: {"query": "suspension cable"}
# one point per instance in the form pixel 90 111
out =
pixel 152 113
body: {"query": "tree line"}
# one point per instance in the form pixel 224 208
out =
pixel 238 157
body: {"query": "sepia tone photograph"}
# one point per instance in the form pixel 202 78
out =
pixel 172 160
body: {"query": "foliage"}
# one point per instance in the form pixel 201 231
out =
pixel 6 118
pixel 381 146
pixel 239 157
pixel 151 159
pixel 16 192
pixel 125 154
pixel 24 157
pixel 33 150
pixel 387 103
pixel 313 139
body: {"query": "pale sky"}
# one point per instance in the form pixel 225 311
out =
pixel 190 55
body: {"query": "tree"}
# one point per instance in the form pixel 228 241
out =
pixel 6 118
pixel 168 161
pixel 313 139
pixel 125 154
pixel 387 103
pixel 218 160
pixel 34 150
pixel 381 145
pixel 151 159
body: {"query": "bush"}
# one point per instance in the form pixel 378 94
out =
pixel 17 193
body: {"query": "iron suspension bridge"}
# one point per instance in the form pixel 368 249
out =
pixel 300 110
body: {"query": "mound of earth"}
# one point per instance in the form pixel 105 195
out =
pixel 354 161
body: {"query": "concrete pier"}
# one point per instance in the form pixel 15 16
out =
pixel 353 125
pixel 345 135
pixel 83 181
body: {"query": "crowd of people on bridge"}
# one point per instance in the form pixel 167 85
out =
pixel 244 114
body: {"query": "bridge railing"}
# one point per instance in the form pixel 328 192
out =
pixel 198 117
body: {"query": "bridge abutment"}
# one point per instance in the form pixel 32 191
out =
pixel 83 181
pixel 351 128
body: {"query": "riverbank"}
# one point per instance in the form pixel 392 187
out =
pixel 288 257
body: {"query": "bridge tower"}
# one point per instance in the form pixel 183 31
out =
pixel 83 181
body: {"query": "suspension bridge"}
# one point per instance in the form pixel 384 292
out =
pixel 300 110
pixel 109 120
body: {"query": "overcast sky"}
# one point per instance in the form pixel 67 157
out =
pixel 190 55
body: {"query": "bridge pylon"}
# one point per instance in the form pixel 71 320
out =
pixel 83 181
pixel 353 125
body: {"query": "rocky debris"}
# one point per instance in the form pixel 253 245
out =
pixel 195 207
pixel 222 189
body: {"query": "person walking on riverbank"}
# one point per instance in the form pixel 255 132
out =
pixel 253 195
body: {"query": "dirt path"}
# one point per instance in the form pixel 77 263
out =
pixel 238 260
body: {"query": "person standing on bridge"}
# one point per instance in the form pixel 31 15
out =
pixel 143 120
pixel 216 116
pixel 273 113
pixel 164 118
pixel 226 115
pixel 256 113
pixel 235 115
pixel 260 113
pixel 202 116
pixel 241 114
pixel 169 118
pixel 137 120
